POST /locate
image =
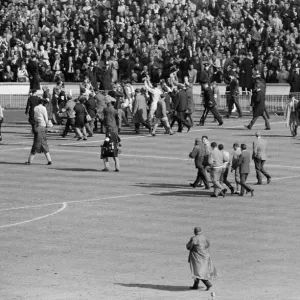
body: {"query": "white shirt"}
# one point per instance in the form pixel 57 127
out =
pixel 1 112
pixel 156 92
pixel 41 115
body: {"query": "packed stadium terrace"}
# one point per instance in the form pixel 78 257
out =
pixel 134 38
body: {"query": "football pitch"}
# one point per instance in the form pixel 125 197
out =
pixel 69 231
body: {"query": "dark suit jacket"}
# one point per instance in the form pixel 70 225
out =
pixel 244 162
pixel 199 153
pixel 181 103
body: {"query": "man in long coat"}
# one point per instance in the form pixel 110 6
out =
pixel 259 107
pixel 201 265
pixel 106 78
pixel 33 73
pixel 181 106
pixel 294 80
pixel 111 119
pixel 139 111
pixel 246 73
pixel 209 105
pixel 92 73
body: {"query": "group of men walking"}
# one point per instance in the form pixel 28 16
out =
pixel 214 159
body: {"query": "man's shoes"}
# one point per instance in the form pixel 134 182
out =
pixel 201 184
pixel 90 135
pixel 247 126
pixel 224 193
pixel 117 170
pixel 153 134
pixel 258 183
pixel 189 128
pixel 213 196
pixel 267 128
pixel 208 287
pixel 63 135
pixel 194 287
pixel 192 185
pixel 27 163
pixel 49 163
pixel 237 192
pixel 232 190
pixel 85 139
pixel 79 138
pixel 269 180
pixel 221 123
pixel 252 193
pixel 171 132
pixel 104 170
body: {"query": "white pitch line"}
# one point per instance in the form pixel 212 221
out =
pixel 15 149
pixel 159 157
pixel 36 219
pixel 120 197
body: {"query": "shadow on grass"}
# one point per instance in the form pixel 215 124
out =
pixel 163 185
pixel 184 192
pixel 76 169
pixel 170 288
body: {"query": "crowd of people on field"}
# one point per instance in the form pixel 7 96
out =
pixel 111 40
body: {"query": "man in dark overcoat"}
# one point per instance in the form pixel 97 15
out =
pixel 92 73
pixel 33 73
pixel 294 79
pixel 259 107
pixel 209 105
pixel 180 107
pixel 106 78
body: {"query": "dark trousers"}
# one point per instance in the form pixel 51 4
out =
pixel 70 122
pixel 223 178
pixel 264 115
pixel 180 118
pixel 215 113
pixel 1 121
pixel 259 168
pixel 201 176
pixel 137 126
pixel 244 186
pixel 189 118
pixel 234 100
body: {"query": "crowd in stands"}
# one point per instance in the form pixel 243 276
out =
pixel 111 40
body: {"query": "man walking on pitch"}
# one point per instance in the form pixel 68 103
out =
pixel 216 163
pixel 199 154
pixel 244 167
pixel 259 156
pixel 209 105
pixel 259 107
pixel 234 96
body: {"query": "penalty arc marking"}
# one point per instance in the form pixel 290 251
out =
pixel 64 205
